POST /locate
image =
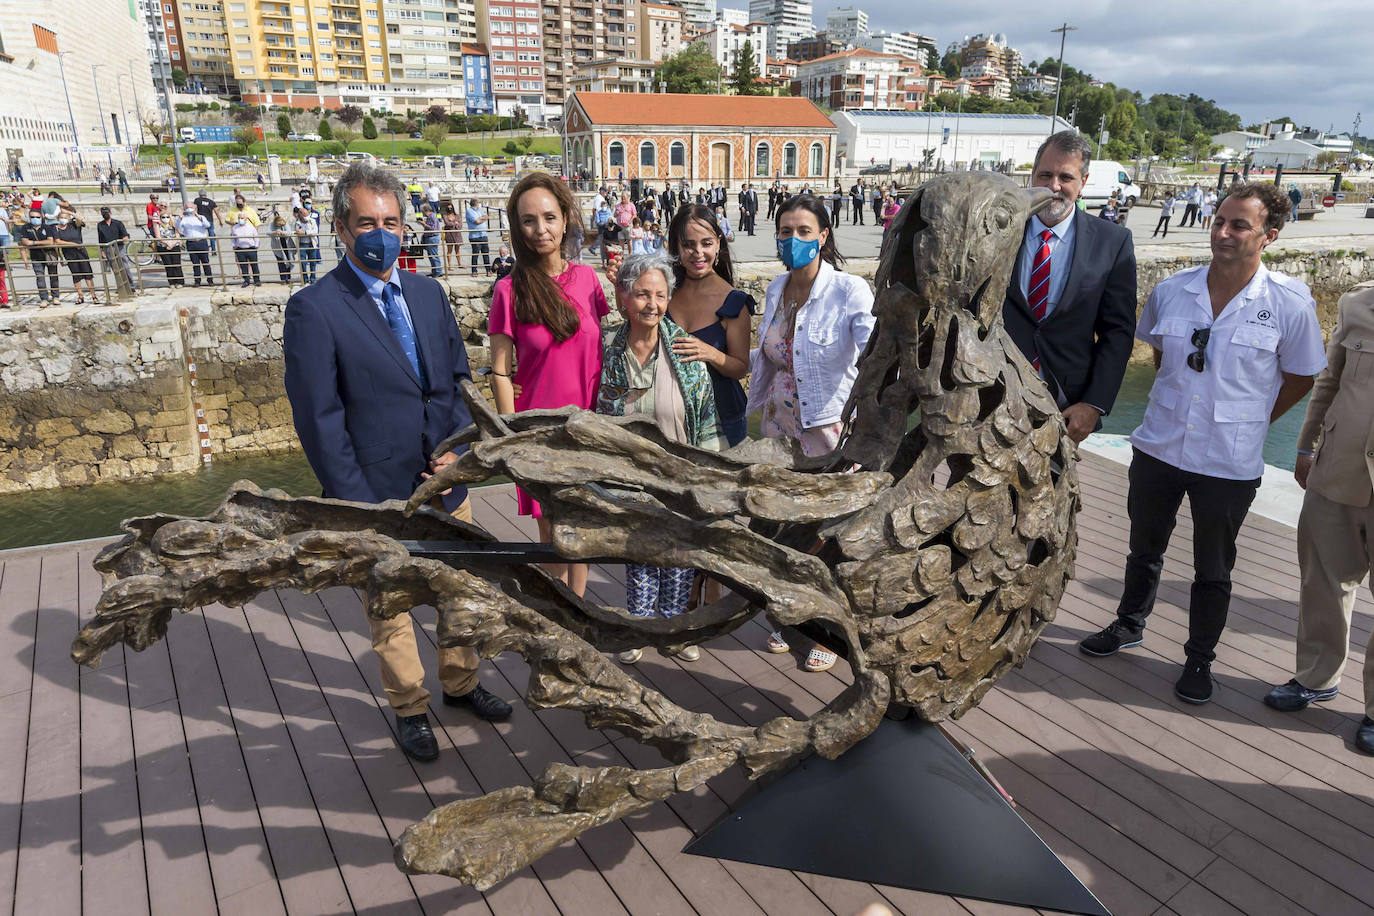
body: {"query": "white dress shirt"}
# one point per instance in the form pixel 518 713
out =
pixel 1061 256
pixel 1214 422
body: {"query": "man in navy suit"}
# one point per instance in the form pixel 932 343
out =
pixel 373 367
pixel 1071 303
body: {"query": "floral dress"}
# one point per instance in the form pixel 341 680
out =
pixel 782 411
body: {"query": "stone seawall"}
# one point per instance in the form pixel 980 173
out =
pixel 97 394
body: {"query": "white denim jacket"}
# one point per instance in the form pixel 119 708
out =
pixel 833 326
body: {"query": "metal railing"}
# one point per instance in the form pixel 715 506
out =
pixel 116 271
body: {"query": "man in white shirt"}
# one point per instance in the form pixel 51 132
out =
pixel 432 195
pixel 1235 347
pixel 1191 207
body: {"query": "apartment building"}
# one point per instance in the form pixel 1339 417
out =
pixel 477 95
pixel 423 43
pixel 858 78
pixel 846 25
pixel 726 42
pixel 988 55
pixel 697 16
pixel 160 59
pixel 204 46
pixel 660 30
pixel 577 32
pixel 819 45
pixel 515 38
pixel 1037 82
pixel 615 74
pixel 920 48
pixel 787 21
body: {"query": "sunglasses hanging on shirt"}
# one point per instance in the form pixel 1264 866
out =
pixel 1198 360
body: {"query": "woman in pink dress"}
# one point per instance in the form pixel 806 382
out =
pixel 545 321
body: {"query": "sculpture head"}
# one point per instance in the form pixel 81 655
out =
pixel 981 218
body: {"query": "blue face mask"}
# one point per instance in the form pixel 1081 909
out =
pixel 796 253
pixel 377 249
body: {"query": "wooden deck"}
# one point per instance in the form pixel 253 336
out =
pixel 251 768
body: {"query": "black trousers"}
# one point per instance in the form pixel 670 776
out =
pixel 198 250
pixel 1189 217
pixel 1162 224
pixel 858 219
pixel 1219 506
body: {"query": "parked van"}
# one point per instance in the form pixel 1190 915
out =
pixel 360 157
pixel 1106 176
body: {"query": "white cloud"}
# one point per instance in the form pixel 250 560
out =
pixel 1258 58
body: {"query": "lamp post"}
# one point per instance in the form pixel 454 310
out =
pixel 123 110
pixel 104 130
pixel 1063 31
pixel 76 139
pixel 138 109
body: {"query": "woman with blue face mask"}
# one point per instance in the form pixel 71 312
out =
pixel 816 322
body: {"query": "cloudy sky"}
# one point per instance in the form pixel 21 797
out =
pixel 1258 58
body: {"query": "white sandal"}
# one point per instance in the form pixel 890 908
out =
pixel 690 654
pixel 630 656
pixel 776 644
pixel 819 659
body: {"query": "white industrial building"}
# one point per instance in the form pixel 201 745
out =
pixel 1240 143
pixel 1291 154
pixel 76 86
pixel 901 137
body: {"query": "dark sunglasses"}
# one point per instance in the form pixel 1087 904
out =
pixel 1198 360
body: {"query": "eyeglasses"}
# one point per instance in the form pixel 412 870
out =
pixel 1198 360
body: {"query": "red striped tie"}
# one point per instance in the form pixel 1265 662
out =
pixel 1039 296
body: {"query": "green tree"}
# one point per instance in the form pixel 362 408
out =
pixel 747 79
pixel 692 70
pixel 396 125
pixel 283 125
pixel 950 64
pixel 242 114
pixel 349 115
pixel 1122 121
pixel 178 77
pixel 324 130
pixel 512 148
pixel 436 134
pixel 369 129
pixel 1327 159
pixel 244 138
pixel 346 136
pixel 527 141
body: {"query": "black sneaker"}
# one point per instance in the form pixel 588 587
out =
pixel 1110 641
pixel 416 737
pixel 1195 684
pixel 1364 735
pixel 483 702
pixel 1293 696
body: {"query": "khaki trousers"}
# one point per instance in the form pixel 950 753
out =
pixel 403 676
pixel 1335 554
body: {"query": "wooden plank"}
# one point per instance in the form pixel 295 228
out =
pixel 389 780
pixel 18 614
pixel 18 603
pixel 413 790
pixel 357 834
pixel 49 869
pixel 301 855
pixel 111 830
pixel 239 856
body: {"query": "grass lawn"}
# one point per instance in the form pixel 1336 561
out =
pixel 456 145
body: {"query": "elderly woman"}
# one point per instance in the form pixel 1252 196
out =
pixel 642 374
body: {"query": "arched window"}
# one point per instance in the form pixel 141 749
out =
pixel 677 154
pixel 789 160
pixel 648 155
pixel 816 167
pixel 615 155
pixel 763 155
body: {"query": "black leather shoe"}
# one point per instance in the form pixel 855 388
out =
pixel 483 702
pixel 1364 736
pixel 1195 684
pixel 416 737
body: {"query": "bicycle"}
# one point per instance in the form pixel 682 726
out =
pixel 142 251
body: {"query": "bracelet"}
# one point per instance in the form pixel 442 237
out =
pixel 501 374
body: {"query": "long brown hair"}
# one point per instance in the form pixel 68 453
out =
pixel 538 299
pixel 707 217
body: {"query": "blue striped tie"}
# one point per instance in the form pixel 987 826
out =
pixel 401 328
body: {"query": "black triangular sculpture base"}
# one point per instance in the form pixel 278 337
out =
pixel 901 808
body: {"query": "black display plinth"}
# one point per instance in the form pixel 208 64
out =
pixel 900 808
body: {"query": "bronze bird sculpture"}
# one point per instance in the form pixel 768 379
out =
pixel 934 544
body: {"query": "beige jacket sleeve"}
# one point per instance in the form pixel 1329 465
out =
pixel 1327 384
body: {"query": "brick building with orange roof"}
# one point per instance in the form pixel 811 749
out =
pixel 699 139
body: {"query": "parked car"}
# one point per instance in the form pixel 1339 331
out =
pixel 236 165
pixel 293 136
pixel 395 160
pixel 881 169
pixel 416 135
pixel 311 138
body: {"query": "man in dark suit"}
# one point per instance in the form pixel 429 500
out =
pixel 373 367
pixel 1071 303
pixel 748 208
pixel 667 202
pixel 856 200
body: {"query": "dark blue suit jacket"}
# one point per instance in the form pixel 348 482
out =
pixel 366 423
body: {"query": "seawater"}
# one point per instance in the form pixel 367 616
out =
pixel 70 514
